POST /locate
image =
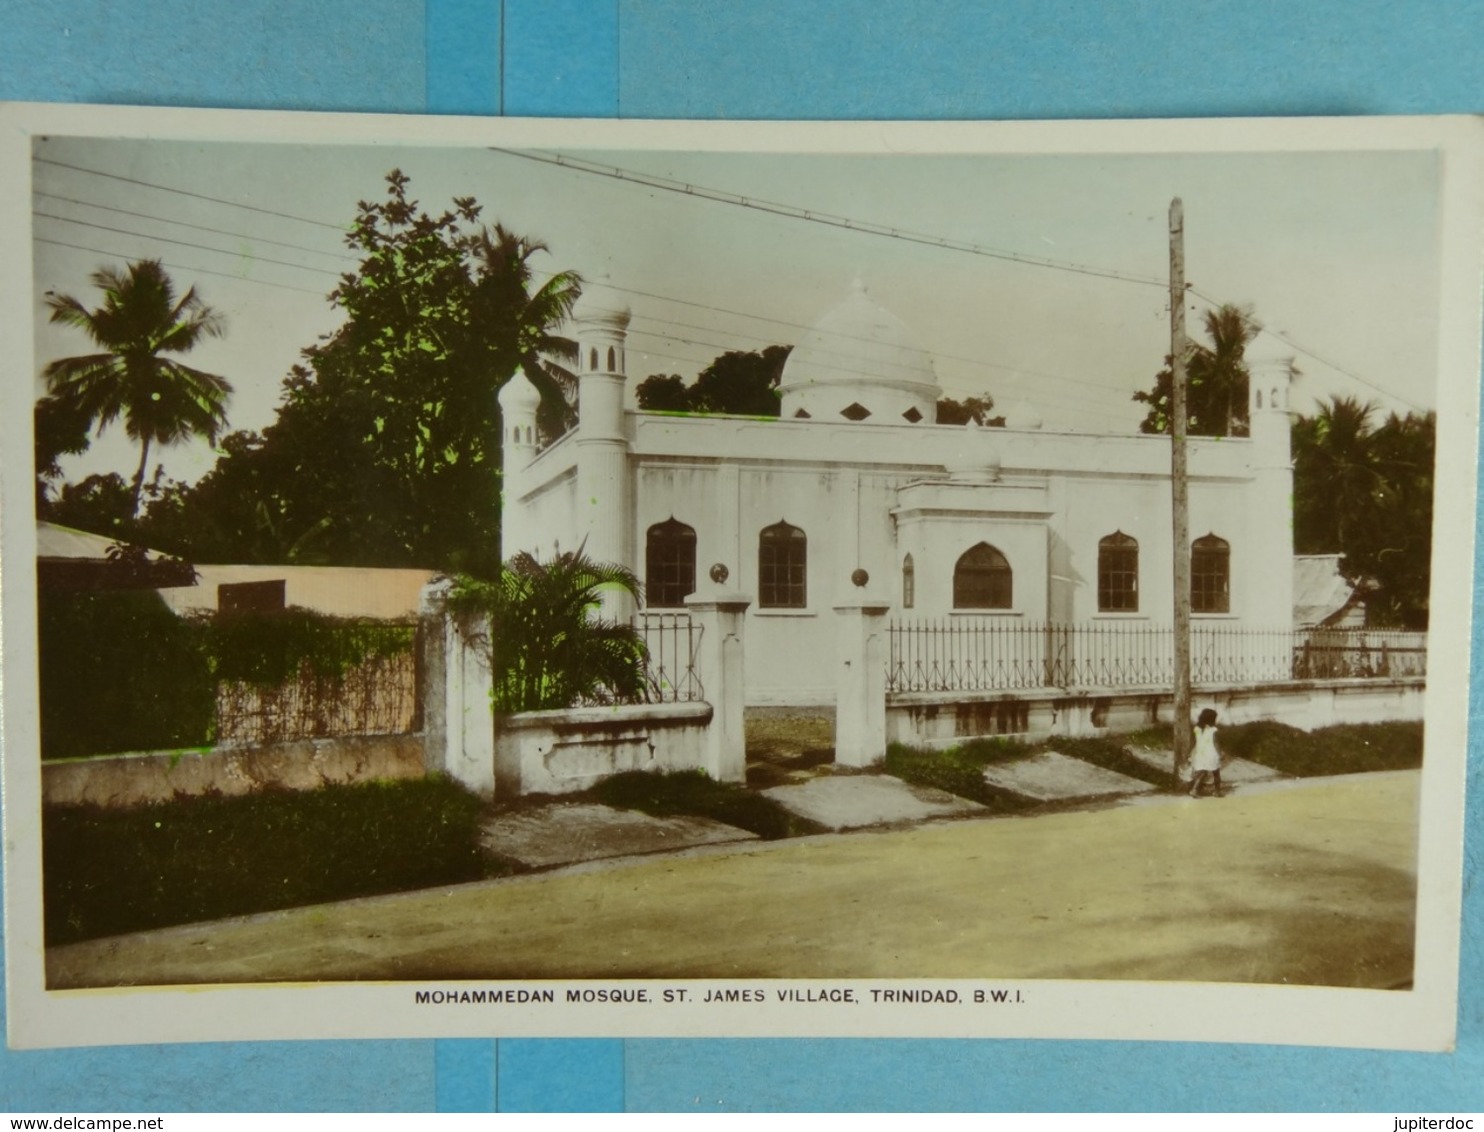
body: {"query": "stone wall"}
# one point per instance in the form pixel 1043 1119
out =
pixel 940 719
pixel 118 781
pixel 560 752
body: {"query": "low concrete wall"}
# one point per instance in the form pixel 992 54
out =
pixel 559 752
pixel 940 719
pixel 137 779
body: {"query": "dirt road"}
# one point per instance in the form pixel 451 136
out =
pixel 1308 883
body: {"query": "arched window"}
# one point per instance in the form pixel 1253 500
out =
pixel 1210 575
pixel 669 564
pixel 612 360
pixel 1118 574
pixel 981 579
pixel 782 567
pixel 592 359
pixel 909 583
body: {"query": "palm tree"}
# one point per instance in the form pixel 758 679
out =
pixel 161 400
pixel 530 319
pixel 547 645
pixel 1218 372
pixel 1338 479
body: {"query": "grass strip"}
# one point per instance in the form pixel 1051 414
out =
pixel 694 793
pixel 960 770
pixel 111 871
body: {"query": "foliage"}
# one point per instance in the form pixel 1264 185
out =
pixel 161 400
pixel 61 429
pixel 548 648
pixel 101 504
pixel 741 382
pixel 113 871
pixel 974 409
pixel 1366 492
pixel 269 649
pixel 693 792
pixel 1342 749
pixel 959 769
pixel 1216 379
pixel 386 447
pixel 120 672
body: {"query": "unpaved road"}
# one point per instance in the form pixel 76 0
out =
pixel 1306 883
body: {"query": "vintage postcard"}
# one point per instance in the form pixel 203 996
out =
pixel 553 578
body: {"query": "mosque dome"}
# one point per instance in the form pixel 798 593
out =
pixel 519 396
pixel 860 362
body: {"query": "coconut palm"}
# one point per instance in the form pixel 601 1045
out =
pixel 547 644
pixel 1218 373
pixel 529 318
pixel 1338 480
pixel 161 400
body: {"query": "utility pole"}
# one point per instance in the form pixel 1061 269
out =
pixel 1180 489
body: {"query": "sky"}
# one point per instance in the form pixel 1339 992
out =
pixel 1337 252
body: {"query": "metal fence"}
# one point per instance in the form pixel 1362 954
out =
pixel 673 642
pixel 973 654
pixel 377 696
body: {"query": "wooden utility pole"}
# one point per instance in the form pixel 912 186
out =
pixel 1180 489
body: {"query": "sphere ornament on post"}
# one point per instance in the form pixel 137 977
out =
pixel 719 573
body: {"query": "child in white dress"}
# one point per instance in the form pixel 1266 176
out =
pixel 1205 759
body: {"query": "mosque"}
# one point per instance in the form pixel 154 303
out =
pixel 855 490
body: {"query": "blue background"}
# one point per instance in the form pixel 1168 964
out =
pixel 762 59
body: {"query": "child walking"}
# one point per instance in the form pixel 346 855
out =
pixel 1205 759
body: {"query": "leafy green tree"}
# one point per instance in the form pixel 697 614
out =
pixel 102 504
pixel 60 429
pixel 548 647
pixel 1366 493
pixel 744 382
pixel 1216 379
pixel 141 322
pixel 386 447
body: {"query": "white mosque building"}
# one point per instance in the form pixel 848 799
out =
pixel 856 491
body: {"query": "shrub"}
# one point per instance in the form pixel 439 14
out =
pixel 1342 749
pixel 120 672
pixel 546 648
pixel 113 871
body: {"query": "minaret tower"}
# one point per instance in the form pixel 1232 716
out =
pixel 519 400
pixel 604 491
pixel 1271 373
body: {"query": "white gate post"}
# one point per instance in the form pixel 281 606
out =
pixel 458 714
pixel 721 617
pixel 860 682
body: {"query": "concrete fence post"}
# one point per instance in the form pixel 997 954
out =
pixel 721 618
pixel 458 715
pixel 860 682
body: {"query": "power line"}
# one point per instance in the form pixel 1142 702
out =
pixel 1302 349
pixel 197 227
pixel 182 243
pixel 188 193
pixel 181 267
pixel 795 212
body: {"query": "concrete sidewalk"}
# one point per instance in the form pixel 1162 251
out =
pixel 1306 882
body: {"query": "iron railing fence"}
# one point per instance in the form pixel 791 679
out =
pixel 976 654
pixel 673 641
pixel 378 695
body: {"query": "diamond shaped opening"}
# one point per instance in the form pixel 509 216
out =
pixel 912 415
pixel 802 413
pixel 855 412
